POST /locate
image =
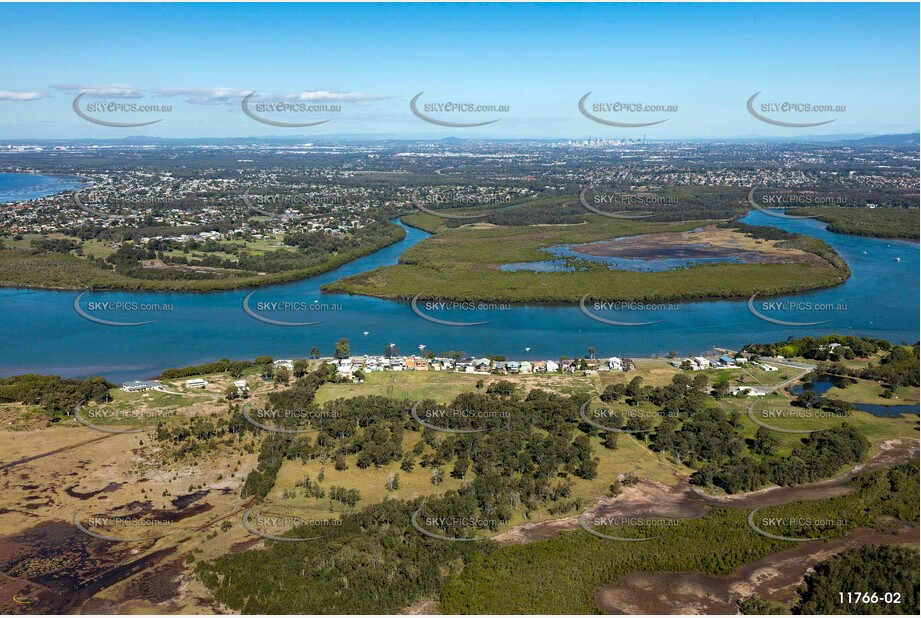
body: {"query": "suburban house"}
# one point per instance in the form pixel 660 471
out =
pixel 195 383
pixel 135 386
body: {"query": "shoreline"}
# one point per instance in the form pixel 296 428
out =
pixel 217 285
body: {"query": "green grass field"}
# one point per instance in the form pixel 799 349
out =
pixel 415 385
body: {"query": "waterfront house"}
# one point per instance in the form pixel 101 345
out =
pixel 135 386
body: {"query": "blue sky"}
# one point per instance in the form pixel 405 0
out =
pixel 538 59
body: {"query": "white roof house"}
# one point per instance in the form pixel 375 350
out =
pixel 140 385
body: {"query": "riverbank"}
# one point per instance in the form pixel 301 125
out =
pixel 63 271
pixel 202 327
pixel 896 223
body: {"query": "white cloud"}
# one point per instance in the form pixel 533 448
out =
pixel 211 96
pixel 11 95
pixel 112 91
pixel 204 96
pixel 350 97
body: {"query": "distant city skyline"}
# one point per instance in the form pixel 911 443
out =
pixel 698 65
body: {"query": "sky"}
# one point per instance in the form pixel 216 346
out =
pixel 697 64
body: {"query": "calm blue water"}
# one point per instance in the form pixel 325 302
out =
pixel 19 187
pixel 826 382
pixel 43 334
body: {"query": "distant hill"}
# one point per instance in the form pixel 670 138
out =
pixel 898 139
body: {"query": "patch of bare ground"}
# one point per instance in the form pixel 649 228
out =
pixel 650 499
pixel 48 566
pixel 776 578
pixel 647 499
pixel 425 607
pixel 708 242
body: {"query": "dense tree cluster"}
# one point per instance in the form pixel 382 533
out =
pixel 822 348
pixel 55 394
pixel 234 368
pixel 900 367
pixel 869 569
pixel 818 456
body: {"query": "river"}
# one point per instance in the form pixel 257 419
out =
pixel 44 334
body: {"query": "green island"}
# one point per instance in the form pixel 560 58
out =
pixel 464 262
pixel 117 260
pixel 876 222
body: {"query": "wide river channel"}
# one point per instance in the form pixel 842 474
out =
pixel 43 333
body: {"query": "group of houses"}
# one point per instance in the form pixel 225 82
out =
pixel 698 363
pixel 367 364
